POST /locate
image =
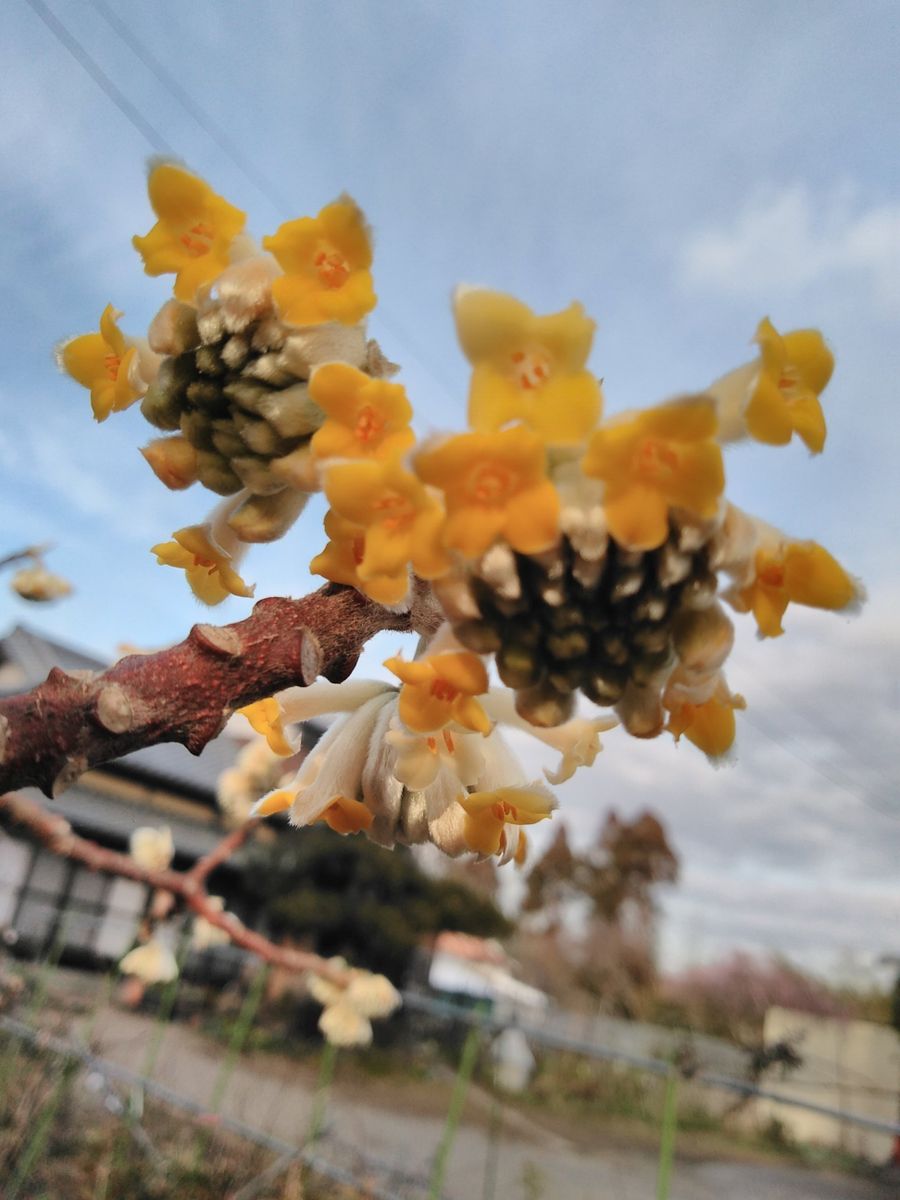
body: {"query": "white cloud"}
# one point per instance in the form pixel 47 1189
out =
pixel 804 825
pixel 794 239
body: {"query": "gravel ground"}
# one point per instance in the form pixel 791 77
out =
pixel 527 1161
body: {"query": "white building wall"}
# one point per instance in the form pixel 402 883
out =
pixel 850 1065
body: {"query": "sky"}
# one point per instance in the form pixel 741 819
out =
pixel 681 170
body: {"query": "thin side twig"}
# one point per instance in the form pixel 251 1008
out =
pixel 58 836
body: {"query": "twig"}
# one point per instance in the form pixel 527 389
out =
pixel 220 853
pixel 27 552
pixel 185 694
pixel 57 835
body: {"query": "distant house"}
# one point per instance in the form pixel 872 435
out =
pixel 50 901
pixel 469 969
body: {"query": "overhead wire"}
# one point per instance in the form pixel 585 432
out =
pixel 204 119
pixel 233 152
pixel 99 76
pixel 845 785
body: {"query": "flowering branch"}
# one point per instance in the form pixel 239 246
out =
pixel 57 835
pixel 185 694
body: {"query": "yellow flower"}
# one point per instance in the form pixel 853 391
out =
pixel 800 572
pixel 194 233
pixel 440 689
pixel 342 814
pixel 495 486
pixel 326 260
pixel 265 717
pixel 709 725
pixel 664 456
pixel 402 523
pixel 103 363
pixel 340 559
pixel 345 815
pixel 488 813
pixel 528 368
pixel 367 418
pixel 208 567
pixel 794 369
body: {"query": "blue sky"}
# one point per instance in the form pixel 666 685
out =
pixel 682 170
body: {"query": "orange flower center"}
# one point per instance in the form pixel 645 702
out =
pixel 332 268
pixel 369 424
pixel 490 483
pixel 787 379
pixel 655 461
pixel 441 689
pixel 530 368
pixel 396 509
pixel 198 240
pixel 432 743
pixel 771 575
pixel 503 812
pixel 207 564
pixel 112 362
pixel 358 549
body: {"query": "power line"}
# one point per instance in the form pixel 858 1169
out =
pixel 99 76
pixel 250 171
pixel 204 119
pixel 845 785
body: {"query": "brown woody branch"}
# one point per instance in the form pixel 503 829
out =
pixel 185 694
pixel 57 835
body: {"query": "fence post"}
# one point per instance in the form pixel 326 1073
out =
pixel 454 1112
pixel 667 1139
pixel 239 1034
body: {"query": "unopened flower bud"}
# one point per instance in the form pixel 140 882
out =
pixel 173 461
pixel 267 518
pixel 703 638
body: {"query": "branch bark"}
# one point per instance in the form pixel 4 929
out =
pixel 185 694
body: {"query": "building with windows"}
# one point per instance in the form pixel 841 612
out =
pixel 90 918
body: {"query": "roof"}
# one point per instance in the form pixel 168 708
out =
pixel 26 657
pixel 470 948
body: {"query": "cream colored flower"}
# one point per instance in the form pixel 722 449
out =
pixel 205 935
pixel 38 584
pixel 152 963
pixel 152 849
pixel 374 774
pixel 421 757
pixel 348 1012
pixel 578 740
pixel 257 770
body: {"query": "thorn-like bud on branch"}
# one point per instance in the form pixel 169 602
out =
pixel 218 639
pixel 114 711
pixel 67 776
pixel 310 657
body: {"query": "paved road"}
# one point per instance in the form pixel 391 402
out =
pixel 277 1097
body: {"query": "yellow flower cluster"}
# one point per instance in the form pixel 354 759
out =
pixel 532 525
